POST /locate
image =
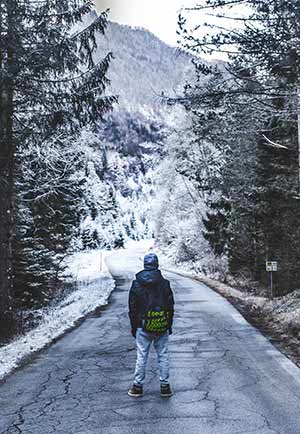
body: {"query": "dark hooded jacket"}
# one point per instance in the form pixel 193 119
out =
pixel 147 280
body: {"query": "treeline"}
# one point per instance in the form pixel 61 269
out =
pixel 51 89
pixel 243 156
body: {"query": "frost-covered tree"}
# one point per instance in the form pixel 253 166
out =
pixel 183 189
pixel 49 85
pixel 254 98
pixel 49 204
pixel 99 217
pixel 99 223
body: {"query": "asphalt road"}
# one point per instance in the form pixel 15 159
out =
pixel 227 378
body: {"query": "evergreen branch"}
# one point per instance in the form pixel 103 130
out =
pixel 216 5
pixel 99 24
pixel 276 145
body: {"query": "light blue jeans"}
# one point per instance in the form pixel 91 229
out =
pixel 143 344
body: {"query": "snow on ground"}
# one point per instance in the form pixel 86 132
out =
pixel 208 270
pixel 94 285
pixel 279 318
pixel 282 314
pixel 206 264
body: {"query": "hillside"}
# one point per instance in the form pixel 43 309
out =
pixel 134 134
pixel 143 65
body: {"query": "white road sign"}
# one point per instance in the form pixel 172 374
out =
pixel 271 266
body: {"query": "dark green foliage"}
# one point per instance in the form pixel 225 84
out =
pixel 127 131
pixel 119 242
pixel 278 215
pixel 49 204
pixel 90 239
pixel 50 86
pixel 216 226
pixel 254 101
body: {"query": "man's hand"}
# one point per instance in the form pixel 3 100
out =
pixel 133 332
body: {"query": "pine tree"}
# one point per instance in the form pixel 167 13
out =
pixel 216 226
pixel 49 85
pixel 100 209
pixel 259 87
pixel 48 202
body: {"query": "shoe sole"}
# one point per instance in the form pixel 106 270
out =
pixel 134 396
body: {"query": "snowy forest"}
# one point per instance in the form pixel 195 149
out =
pixel 107 134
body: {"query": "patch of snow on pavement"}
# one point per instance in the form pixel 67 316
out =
pixel 94 284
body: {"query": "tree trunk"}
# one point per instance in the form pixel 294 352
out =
pixel 7 326
pixel 6 211
pixel 7 160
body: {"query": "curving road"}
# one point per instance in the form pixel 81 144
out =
pixel 227 378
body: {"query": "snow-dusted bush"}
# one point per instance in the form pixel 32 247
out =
pixel 180 207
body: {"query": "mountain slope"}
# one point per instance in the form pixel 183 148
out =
pixel 143 65
pixel 133 136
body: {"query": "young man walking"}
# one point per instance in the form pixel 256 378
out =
pixel 151 310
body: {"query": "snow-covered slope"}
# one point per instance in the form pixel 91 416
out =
pixel 144 70
pixel 144 67
pixel 94 285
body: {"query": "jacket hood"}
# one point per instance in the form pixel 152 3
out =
pixel 149 277
pixel 151 261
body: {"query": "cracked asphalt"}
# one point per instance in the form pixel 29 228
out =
pixel 227 378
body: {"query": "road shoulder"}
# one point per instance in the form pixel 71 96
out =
pixel 260 312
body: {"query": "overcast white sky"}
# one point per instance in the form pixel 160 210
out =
pixel 158 16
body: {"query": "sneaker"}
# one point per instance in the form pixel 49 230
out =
pixel 165 391
pixel 135 391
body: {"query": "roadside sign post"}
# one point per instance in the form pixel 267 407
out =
pixel 271 266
